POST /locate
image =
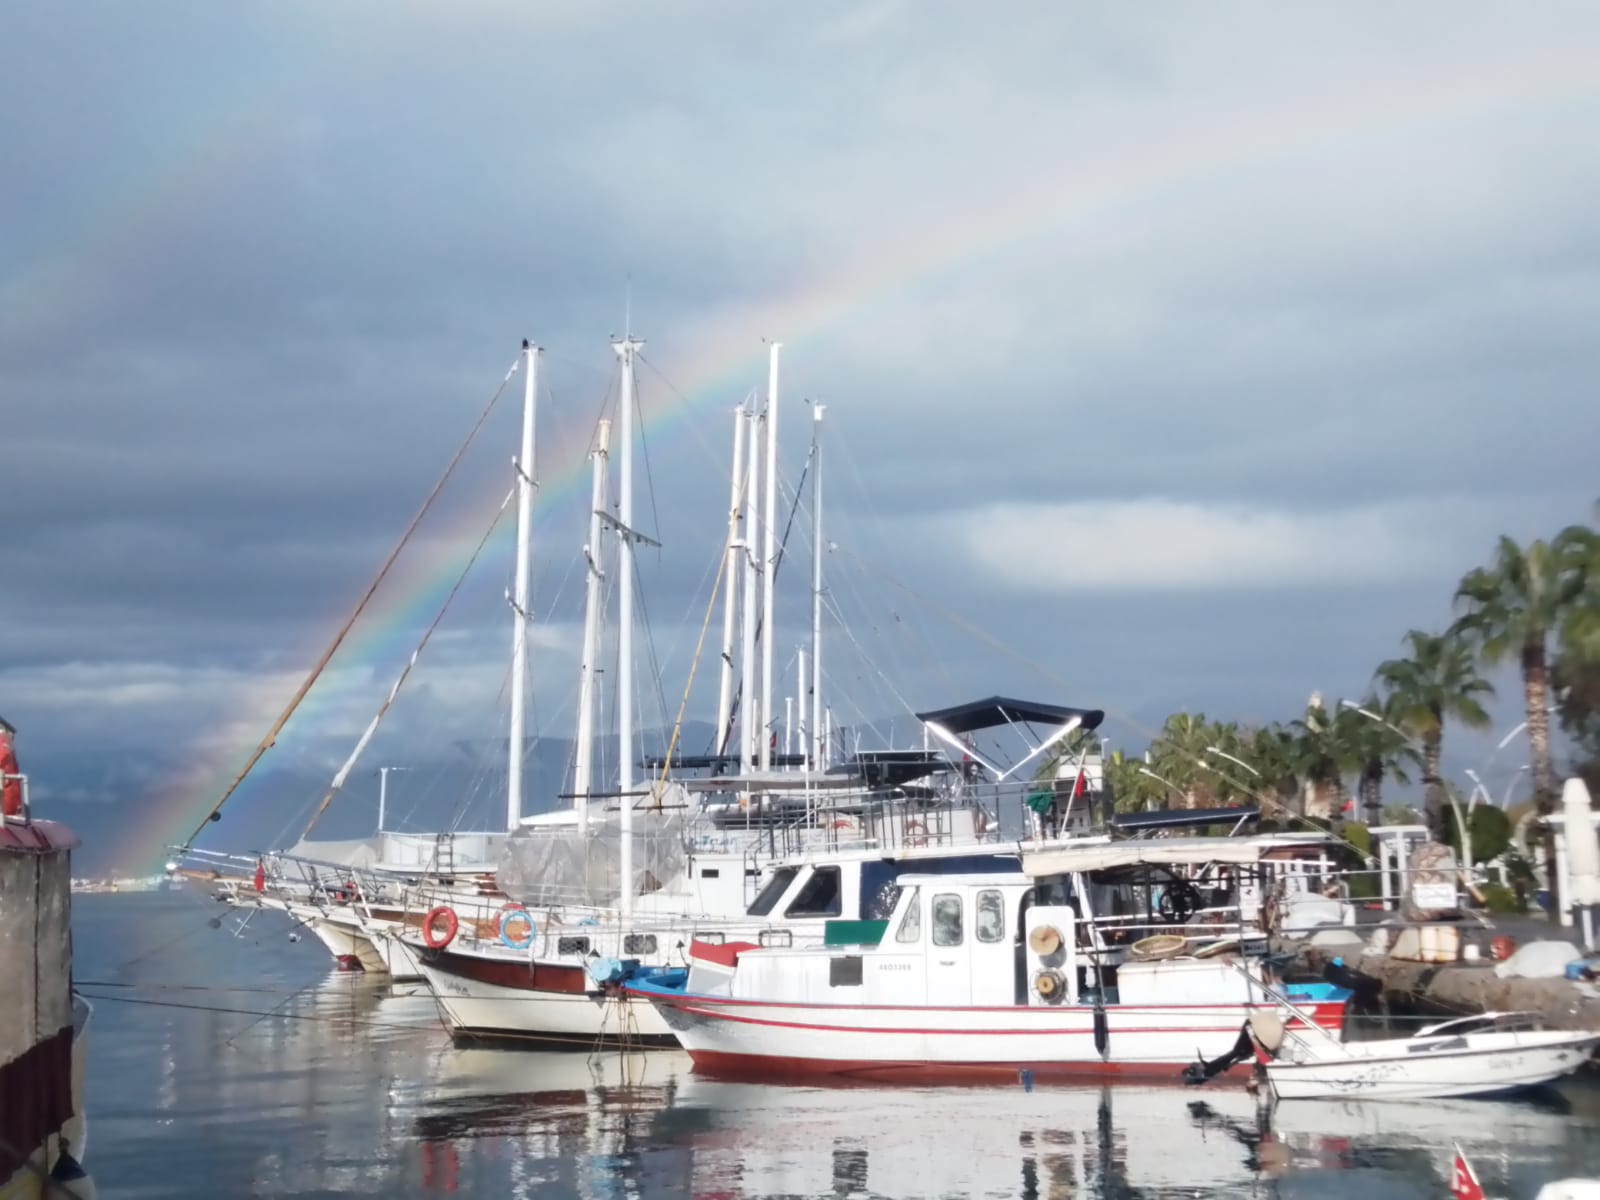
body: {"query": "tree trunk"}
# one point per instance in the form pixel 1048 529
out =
pixel 1372 793
pixel 1535 690
pixel 1433 804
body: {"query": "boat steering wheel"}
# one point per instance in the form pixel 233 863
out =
pixel 1179 901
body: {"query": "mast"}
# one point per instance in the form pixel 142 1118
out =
pixel 814 724
pixel 769 556
pixel 519 595
pixel 625 352
pixel 731 578
pixel 800 702
pixel 749 719
pixel 593 600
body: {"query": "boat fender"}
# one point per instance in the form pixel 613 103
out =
pixel 1267 1029
pixel 1102 1031
pixel 1051 985
pixel 1203 1070
pixel 509 914
pixel 68 1178
pixel 1045 940
pixel 432 936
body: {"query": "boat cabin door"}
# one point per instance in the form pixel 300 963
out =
pixel 948 948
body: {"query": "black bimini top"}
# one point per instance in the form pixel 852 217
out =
pixel 1002 710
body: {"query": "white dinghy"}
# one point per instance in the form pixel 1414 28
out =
pixel 1471 1056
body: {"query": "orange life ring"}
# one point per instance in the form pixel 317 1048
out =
pixel 916 833
pixel 431 936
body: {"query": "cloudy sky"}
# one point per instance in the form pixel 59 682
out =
pixel 1174 356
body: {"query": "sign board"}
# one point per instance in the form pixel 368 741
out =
pixel 1433 896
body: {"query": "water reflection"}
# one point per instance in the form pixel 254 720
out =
pixel 351 1088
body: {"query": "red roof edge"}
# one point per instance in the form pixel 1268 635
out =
pixel 35 837
pixel 725 954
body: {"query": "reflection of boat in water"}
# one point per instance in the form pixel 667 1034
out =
pixel 764 1140
pixel 583 1122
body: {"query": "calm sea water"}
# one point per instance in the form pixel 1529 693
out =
pixel 237 1063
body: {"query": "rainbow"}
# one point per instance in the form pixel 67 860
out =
pixel 1055 206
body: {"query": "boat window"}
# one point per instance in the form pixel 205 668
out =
pixel 819 897
pixel 947 920
pixel 710 872
pixel 572 945
pixel 776 887
pixel 911 924
pixel 639 943
pixel 991 917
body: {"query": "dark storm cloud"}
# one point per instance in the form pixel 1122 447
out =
pixel 264 262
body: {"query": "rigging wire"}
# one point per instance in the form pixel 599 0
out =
pixel 271 736
pixel 405 673
pixel 694 664
pixel 1264 799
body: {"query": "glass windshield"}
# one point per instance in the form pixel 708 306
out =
pixel 819 897
pixel 911 924
pixel 776 887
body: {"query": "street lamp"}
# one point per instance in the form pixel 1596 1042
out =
pixel 1232 759
pixel 1161 779
pixel 1455 805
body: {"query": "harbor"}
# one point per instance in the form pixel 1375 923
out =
pixel 869 600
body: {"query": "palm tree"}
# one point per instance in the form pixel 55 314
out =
pixel 1383 749
pixel 1271 751
pixel 1513 605
pixel 1324 752
pixel 1436 682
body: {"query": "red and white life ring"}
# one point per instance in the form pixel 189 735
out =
pixel 431 936
pixel 916 833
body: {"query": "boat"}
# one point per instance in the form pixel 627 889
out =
pixel 43 1048
pixel 1482 1055
pixel 985 976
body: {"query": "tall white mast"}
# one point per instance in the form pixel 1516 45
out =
pixel 769 556
pixel 800 703
pixel 749 718
pixel 732 575
pixel 817 761
pixel 625 351
pixel 593 600
pixel 519 594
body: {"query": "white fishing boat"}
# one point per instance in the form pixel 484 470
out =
pixel 1481 1055
pixel 989 975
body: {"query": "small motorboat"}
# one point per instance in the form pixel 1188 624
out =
pixel 1480 1055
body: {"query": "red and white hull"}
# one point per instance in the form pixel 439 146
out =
pixel 880 1042
pixel 512 998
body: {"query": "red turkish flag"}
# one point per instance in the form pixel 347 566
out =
pixel 1464 1183
pixel 261 876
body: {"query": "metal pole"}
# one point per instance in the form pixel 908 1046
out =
pixel 625 352
pixel 815 757
pixel 519 596
pixel 593 602
pixel 769 557
pixel 731 571
pixel 749 715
